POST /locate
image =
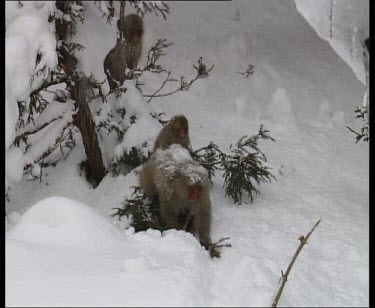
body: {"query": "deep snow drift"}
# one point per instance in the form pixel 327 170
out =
pixel 67 250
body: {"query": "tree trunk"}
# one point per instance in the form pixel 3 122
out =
pixel 95 170
pixel 83 120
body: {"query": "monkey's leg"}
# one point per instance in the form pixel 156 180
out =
pixel 202 223
pixel 186 221
pixel 169 218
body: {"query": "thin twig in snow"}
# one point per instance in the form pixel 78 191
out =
pixel 284 277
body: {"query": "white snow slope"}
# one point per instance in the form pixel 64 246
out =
pixel 65 252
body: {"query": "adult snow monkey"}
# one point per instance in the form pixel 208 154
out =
pixel 176 131
pixel 127 51
pixel 183 189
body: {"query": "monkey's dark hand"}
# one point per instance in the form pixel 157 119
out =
pixel 137 73
pixel 132 74
pixel 214 253
pixel 212 247
pixel 129 73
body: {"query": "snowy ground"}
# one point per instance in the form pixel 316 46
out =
pixel 67 251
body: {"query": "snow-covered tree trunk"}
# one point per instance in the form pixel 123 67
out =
pixel 83 120
pixel 78 89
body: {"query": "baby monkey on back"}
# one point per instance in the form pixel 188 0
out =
pixel 176 131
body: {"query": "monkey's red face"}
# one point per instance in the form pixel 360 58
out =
pixel 136 36
pixel 183 132
pixel 194 191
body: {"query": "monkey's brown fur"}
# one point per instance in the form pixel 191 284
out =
pixel 127 51
pixel 170 174
pixel 176 131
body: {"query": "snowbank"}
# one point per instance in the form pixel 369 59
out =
pixel 77 258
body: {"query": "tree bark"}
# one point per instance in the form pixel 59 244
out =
pixel 83 120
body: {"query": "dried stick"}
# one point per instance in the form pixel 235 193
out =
pixel 284 277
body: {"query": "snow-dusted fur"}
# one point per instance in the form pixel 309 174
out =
pixel 168 174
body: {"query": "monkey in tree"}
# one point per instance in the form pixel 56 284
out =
pixel 132 30
pixel 127 52
pixel 183 189
pixel 176 131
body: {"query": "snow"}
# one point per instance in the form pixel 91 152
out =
pixel 175 152
pixel 140 134
pixel 11 112
pixel 63 247
pixel 19 65
pixel 46 137
pixel 95 27
pixel 40 37
pixel 281 102
pixel 14 165
pixel 48 220
pixel 52 112
pixel 349 27
pixel 175 160
pixel 21 49
pixel 14 9
pixel 143 131
pixel 68 244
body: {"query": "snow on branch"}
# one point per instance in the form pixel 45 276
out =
pixel 209 157
pixel 53 111
pixel 107 10
pixel 142 211
pixel 66 15
pixel 156 7
pixel 361 113
pixel 30 58
pixel 242 166
pixel 47 139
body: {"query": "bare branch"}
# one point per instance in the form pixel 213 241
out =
pixel 163 84
pixel 284 277
pixel 202 72
pixel 153 55
pixel 45 85
pixel 248 72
